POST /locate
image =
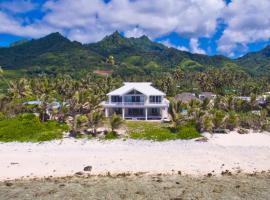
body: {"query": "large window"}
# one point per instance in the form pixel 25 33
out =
pixel 155 99
pixel 116 99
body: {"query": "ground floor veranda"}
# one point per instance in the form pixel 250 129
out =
pixel 153 113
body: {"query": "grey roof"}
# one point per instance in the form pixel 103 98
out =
pixel 186 97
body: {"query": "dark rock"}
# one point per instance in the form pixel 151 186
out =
pixel 209 175
pixel 177 183
pixel 202 139
pixel 179 172
pixel 87 168
pixel 237 186
pixel 79 173
pixel 242 131
pixel 8 184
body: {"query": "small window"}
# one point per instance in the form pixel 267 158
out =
pixel 116 99
pixel 155 99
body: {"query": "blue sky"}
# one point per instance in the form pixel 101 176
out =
pixel 231 28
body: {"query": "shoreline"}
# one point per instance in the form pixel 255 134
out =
pixel 236 153
pixel 140 186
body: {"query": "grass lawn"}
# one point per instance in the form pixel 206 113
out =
pixel 28 128
pixel 159 131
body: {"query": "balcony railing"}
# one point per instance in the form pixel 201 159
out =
pixel 125 103
pixel 134 103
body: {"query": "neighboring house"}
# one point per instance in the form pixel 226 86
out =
pixel 260 100
pixel 49 108
pixel 244 98
pixel 185 97
pixel 207 95
pixel 137 100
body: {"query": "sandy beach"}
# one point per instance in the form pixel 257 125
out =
pixel 234 152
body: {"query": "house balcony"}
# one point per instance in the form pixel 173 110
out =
pixel 164 103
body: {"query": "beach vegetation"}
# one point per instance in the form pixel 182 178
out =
pixel 28 128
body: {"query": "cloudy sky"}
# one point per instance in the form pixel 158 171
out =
pixel 228 27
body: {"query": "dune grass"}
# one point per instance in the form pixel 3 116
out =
pixel 160 131
pixel 28 128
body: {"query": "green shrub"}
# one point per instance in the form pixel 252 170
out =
pixel 188 131
pixel 28 128
pixel 161 132
pixel 111 135
pixel 2 116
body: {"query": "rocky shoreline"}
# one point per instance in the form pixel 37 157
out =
pixel 140 186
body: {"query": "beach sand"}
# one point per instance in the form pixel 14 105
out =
pixel 234 152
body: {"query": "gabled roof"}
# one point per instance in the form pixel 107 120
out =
pixel 143 87
pixel 186 97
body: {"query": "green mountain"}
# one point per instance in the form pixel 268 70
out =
pixel 141 51
pixel 51 50
pixel 56 54
pixel 257 63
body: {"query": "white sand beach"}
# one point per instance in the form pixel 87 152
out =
pixel 234 152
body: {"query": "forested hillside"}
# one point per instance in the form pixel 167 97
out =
pixel 55 54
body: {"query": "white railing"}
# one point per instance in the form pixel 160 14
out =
pixel 125 103
pixel 135 103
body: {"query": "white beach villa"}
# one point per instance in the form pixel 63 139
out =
pixel 137 100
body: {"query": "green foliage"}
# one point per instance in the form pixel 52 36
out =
pixel 187 131
pixel 54 54
pixel 160 132
pixel 28 128
pixel 115 122
pixel 218 118
pixel 111 136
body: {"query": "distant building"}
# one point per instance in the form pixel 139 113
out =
pixel 207 95
pixel 137 100
pixel 185 97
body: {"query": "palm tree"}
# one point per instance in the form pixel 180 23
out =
pixel 115 122
pixel 174 110
pixel 2 76
pixel 207 124
pixel 218 118
pixel 95 119
pixel 232 120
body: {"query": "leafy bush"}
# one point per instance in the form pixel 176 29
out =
pixel 161 132
pixel 188 131
pixel 249 121
pixel 111 135
pixel 2 116
pixel 28 128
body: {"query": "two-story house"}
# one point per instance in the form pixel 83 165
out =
pixel 137 100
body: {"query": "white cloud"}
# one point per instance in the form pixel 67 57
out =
pixel 89 21
pixel 10 25
pixel 248 21
pixel 169 44
pixel 194 46
pixel 18 6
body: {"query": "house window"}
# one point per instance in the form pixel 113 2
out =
pixel 117 111
pixel 154 111
pixel 116 99
pixel 155 99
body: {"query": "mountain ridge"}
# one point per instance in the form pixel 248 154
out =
pixel 137 53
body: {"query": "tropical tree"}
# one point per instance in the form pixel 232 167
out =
pixel 174 110
pixel 232 120
pixel 3 77
pixel 207 124
pixel 95 119
pixel 115 122
pixel 218 118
